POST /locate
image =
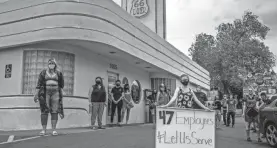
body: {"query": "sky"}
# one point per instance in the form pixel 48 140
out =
pixel 187 18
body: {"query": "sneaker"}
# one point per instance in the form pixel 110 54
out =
pixel 249 140
pixel 93 127
pixel 233 126
pixel 42 133
pixel 227 125
pixel 259 140
pixel 54 133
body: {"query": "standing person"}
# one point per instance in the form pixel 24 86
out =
pixel 255 123
pixel 184 97
pixel 152 101
pixel 231 106
pixel 250 113
pixel 224 108
pixel 117 102
pixel 261 105
pixel 127 104
pixel 217 108
pixel 201 97
pixel 97 101
pixel 162 97
pixel 49 93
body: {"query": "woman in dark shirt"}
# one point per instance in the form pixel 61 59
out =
pixel 117 102
pixel 97 101
pixel 49 93
pixel 217 108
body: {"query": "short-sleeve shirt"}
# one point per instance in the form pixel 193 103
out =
pixel 117 92
pixel 232 105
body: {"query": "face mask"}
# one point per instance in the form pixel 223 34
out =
pixel 117 84
pixel 51 66
pixel 98 82
pixel 185 83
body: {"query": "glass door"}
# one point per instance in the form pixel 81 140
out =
pixel 112 77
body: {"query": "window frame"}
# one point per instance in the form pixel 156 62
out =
pixel 72 59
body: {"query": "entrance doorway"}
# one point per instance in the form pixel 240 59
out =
pixel 112 77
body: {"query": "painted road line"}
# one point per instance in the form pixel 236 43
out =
pixel 11 137
pixel 35 137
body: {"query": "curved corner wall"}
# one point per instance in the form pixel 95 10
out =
pixel 19 112
pixel 31 21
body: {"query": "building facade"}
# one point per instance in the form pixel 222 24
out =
pixel 98 38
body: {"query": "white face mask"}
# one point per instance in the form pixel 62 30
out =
pixel 51 66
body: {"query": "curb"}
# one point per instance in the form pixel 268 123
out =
pixel 18 138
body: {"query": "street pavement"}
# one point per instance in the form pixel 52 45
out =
pixel 137 136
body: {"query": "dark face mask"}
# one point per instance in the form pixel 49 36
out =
pixel 98 82
pixel 117 84
pixel 185 82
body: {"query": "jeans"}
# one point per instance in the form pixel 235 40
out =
pixel 231 115
pixel 52 98
pixel 224 115
pixel 97 111
pixel 119 108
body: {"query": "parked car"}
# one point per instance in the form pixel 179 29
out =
pixel 272 97
pixel 268 122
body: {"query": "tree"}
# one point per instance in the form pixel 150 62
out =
pixel 236 50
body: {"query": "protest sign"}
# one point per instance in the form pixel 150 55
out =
pixel 189 128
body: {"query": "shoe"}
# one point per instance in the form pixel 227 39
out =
pixel 227 125
pixel 259 140
pixel 93 127
pixel 100 127
pixel 118 124
pixel 249 140
pixel 233 126
pixel 54 133
pixel 42 133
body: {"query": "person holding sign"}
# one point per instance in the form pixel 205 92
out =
pixel 184 97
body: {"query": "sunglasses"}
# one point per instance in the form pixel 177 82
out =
pixel 51 63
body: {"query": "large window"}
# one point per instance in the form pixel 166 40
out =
pixel 169 83
pixel 37 60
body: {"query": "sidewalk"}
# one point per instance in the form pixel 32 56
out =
pixel 238 112
pixel 25 134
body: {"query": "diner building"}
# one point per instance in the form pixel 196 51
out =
pixel 88 38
